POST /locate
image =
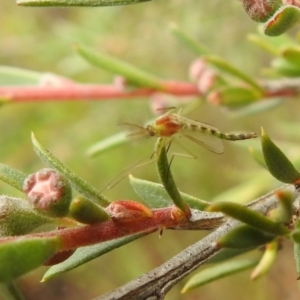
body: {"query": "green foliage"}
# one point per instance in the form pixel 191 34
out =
pixel 71 129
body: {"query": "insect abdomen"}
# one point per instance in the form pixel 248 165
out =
pixel 236 136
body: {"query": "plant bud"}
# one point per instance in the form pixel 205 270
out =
pixel 128 211
pixel 261 10
pixel 86 211
pixel 48 192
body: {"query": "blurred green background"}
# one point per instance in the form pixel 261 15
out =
pixel 42 39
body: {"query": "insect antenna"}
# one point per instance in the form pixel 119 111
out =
pixel 140 163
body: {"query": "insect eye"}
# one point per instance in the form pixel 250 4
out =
pixel 150 132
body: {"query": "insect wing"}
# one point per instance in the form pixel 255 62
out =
pixel 209 142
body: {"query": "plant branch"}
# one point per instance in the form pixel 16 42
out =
pixel 155 284
pixel 70 91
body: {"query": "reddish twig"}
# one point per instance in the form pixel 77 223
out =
pixel 160 219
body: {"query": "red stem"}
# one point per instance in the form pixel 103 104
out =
pixel 91 234
pixel 89 92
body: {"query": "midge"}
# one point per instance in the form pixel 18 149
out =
pixel 171 124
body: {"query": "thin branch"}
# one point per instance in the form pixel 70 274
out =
pixel 71 91
pixel 155 284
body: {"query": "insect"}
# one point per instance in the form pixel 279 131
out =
pixel 170 125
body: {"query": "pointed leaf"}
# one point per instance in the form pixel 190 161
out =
pixel 218 271
pixel 166 177
pixel 233 97
pixel 154 194
pixel 22 255
pixel 292 55
pixel 78 183
pixel 230 69
pixel 278 164
pixel 244 237
pixel 133 75
pixel 85 254
pixel 266 260
pixel 192 44
pixel 12 177
pixel 248 216
pixel 17 76
pixel 263 105
pixel 107 144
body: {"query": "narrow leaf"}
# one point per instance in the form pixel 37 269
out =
pixel 85 254
pixel 278 164
pixel 233 97
pixel 292 55
pixel 218 271
pixel 12 177
pixel 266 260
pixel 133 74
pixel 17 76
pixel 192 44
pixel 165 175
pixel 244 237
pixel 78 183
pixel 107 144
pixel 230 69
pixel 22 255
pixel 248 216
pixel 154 194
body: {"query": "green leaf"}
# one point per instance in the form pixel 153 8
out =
pixel 164 172
pixel 257 107
pixel 85 254
pixel 17 76
pixel 154 195
pixel 277 163
pixel 283 67
pixel 244 237
pixel 17 217
pixel 266 261
pixel 248 216
pixel 284 19
pixel 77 2
pixel 292 55
pixel 21 255
pixel 230 69
pixel 78 183
pixel 12 177
pixel 233 97
pixel 218 271
pixel 132 74
pixel 192 44
pixel 227 253
pixel 258 157
pixel 284 211
pixel 107 144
